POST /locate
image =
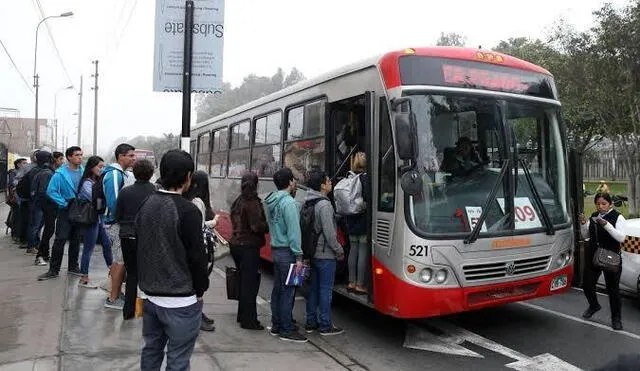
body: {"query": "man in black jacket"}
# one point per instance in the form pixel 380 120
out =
pixel 129 202
pixel 172 267
pixel 44 210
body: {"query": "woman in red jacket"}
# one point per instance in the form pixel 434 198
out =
pixel 249 228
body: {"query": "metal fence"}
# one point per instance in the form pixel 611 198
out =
pixel 600 164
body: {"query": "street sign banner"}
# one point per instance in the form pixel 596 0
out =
pixel 208 40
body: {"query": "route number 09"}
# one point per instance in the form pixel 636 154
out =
pixel 525 213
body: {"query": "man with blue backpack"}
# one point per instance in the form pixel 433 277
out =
pixel 105 196
pixel 62 190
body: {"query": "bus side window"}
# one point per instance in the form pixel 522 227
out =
pixel 239 149
pixel 265 158
pixel 219 156
pixel 386 162
pixel 304 145
pixel 204 152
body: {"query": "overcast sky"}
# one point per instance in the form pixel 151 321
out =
pixel 260 36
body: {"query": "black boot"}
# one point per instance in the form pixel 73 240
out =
pixel 590 312
pixel 616 324
pixel 207 320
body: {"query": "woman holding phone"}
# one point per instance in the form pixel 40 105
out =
pixel 604 229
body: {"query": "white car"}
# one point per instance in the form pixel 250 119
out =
pixel 630 277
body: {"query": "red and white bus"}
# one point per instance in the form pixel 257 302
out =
pixel 467 156
pixel 145 154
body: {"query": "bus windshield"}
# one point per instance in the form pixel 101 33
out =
pixel 465 143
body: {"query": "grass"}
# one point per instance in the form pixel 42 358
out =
pixel 616 188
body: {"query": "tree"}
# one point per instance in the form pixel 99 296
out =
pixel 566 56
pixel 616 49
pixel 451 39
pixel 252 87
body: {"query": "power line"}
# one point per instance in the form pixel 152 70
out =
pixel 16 67
pixel 122 33
pixel 53 42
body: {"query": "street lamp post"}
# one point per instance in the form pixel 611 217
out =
pixel 36 83
pixel 55 112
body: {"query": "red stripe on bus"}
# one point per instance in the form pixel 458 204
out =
pixel 402 299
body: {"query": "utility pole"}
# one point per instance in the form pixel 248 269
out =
pixel 80 115
pixel 186 76
pixel 95 109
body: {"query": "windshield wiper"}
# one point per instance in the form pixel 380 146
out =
pixel 473 236
pixel 536 197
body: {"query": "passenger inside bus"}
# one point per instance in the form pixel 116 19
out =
pixel 461 160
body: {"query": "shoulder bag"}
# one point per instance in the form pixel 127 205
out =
pixel 606 259
pixel 82 211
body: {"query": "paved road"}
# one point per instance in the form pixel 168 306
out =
pixel 542 334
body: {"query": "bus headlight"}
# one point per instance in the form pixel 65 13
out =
pixel 562 259
pixel 426 274
pixel 441 275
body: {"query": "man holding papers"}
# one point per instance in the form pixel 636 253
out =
pixel 284 228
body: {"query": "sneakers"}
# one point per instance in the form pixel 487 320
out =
pixel 87 284
pixel 310 328
pixel 32 250
pixel 40 261
pixel 75 272
pixel 114 304
pixel 331 331
pixel 276 332
pixel 590 312
pixel 294 337
pixel 273 331
pixel 47 276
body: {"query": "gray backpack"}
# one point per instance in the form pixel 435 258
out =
pixel 348 195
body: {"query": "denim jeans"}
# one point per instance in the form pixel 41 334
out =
pixel 323 273
pixel 282 296
pixel 357 261
pixel 175 328
pixel 91 235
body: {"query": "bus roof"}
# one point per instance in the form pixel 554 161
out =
pixel 391 75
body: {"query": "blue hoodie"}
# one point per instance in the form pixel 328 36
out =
pixel 62 188
pixel 284 222
pixel 112 183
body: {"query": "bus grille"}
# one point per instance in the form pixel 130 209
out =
pixel 383 233
pixel 488 271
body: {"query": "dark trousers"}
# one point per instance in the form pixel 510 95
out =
pixel 590 277
pixel 25 220
pixel 282 296
pixel 13 221
pixel 175 328
pixel 247 260
pixel 65 231
pixel 130 256
pixel 49 214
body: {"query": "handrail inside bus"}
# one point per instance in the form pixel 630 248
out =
pixel 344 162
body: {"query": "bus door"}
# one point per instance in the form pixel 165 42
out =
pixel 351 124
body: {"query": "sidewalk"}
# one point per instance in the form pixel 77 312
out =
pixel 56 325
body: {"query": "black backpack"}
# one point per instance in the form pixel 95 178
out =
pixel 40 183
pixel 307 227
pixel 23 189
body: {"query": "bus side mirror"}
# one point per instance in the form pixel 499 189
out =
pixel 406 138
pixel 411 182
